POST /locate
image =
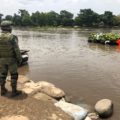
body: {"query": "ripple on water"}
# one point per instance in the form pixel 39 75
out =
pixel 83 70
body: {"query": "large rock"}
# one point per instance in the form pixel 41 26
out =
pixel 18 117
pixel 104 108
pixel 45 87
pixel 44 97
pixel 39 85
pixel 32 85
pixel 53 92
pixel 44 84
pixel 28 91
pixel 31 88
pixel 77 112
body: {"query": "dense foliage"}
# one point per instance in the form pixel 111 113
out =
pixel 85 18
pixel 105 38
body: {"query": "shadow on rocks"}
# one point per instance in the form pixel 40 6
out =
pixel 19 97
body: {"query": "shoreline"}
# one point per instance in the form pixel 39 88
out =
pixel 41 101
pixel 37 28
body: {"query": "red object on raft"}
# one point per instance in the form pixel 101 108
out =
pixel 118 42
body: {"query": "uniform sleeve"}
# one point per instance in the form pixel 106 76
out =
pixel 17 49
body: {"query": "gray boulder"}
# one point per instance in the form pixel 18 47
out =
pixel 104 108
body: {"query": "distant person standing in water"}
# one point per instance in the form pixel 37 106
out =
pixel 10 58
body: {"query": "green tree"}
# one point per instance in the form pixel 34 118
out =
pixel 17 20
pixel 35 18
pixel 117 18
pixel 108 18
pixel 66 18
pixel 87 17
pixel 25 18
pixel 43 19
pixel 52 18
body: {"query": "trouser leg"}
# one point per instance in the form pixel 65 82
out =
pixel 3 78
pixel 14 78
pixel 13 73
pixel 3 89
pixel 3 75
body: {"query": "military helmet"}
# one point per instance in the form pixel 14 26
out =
pixel 6 23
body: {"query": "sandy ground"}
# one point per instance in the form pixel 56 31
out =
pixel 29 107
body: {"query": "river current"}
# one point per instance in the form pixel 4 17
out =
pixel 86 71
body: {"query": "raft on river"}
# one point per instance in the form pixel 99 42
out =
pixel 105 38
pixel 25 56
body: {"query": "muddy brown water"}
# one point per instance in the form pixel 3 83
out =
pixel 86 71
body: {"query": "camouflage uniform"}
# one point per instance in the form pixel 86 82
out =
pixel 10 56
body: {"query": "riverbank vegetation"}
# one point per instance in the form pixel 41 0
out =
pixel 85 18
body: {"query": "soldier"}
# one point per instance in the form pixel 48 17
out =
pixel 10 58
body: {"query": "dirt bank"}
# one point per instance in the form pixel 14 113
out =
pixel 30 107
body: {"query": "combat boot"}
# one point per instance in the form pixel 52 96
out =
pixel 15 92
pixel 3 90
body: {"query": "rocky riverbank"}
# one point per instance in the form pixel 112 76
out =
pixel 45 101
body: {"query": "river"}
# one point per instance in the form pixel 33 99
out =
pixel 86 71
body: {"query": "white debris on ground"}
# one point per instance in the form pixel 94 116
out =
pixel 77 112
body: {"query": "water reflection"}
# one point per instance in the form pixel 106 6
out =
pixel 104 49
pixel 118 49
pixel 24 70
